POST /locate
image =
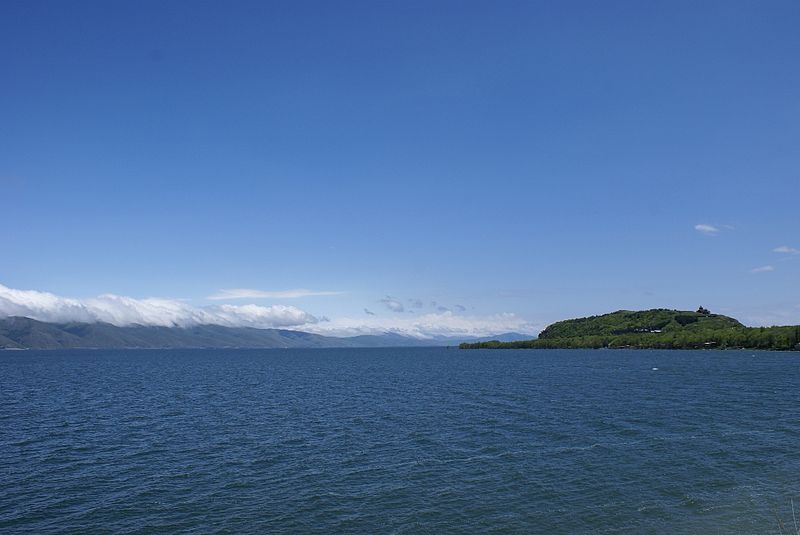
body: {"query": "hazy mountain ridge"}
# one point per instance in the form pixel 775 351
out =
pixel 26 333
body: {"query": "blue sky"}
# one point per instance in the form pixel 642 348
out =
pixel 534 160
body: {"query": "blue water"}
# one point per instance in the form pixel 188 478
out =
pixel 398 441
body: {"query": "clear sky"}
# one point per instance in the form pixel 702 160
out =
pixel 514 162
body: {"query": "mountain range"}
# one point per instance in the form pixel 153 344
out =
pixel 26 333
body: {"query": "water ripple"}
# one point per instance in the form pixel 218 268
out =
pixel 397 441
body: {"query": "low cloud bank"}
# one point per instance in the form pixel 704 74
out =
pixel 122 311
pixel 427 326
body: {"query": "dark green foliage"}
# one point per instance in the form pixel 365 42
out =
pixel 655 329
pixel 685 320
pixel 626 321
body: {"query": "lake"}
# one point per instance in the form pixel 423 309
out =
pixel 422 440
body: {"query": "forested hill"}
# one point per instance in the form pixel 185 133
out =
pixel 656 329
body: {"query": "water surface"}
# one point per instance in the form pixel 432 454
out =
pixel 398 441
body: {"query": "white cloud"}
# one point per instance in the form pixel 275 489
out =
pixel 785 249
pixel 248 293
pixel 762 269
pixel 708 230
pixel 121 310
pixel 47 306
pixel 259 316
pixel 428 325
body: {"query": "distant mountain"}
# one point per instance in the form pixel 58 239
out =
pixel 505 337
pixel 655 329
pixel 27 333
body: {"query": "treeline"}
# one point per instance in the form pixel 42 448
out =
pixel 771 338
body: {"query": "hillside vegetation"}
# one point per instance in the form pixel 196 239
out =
pixel 656 329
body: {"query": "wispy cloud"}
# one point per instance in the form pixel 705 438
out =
pixel 762 269
pixel 120 310
pixel 249 293
pixel 393 304
pixel 785 249
pixel 708 230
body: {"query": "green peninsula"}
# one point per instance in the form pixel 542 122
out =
pixel 655 329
